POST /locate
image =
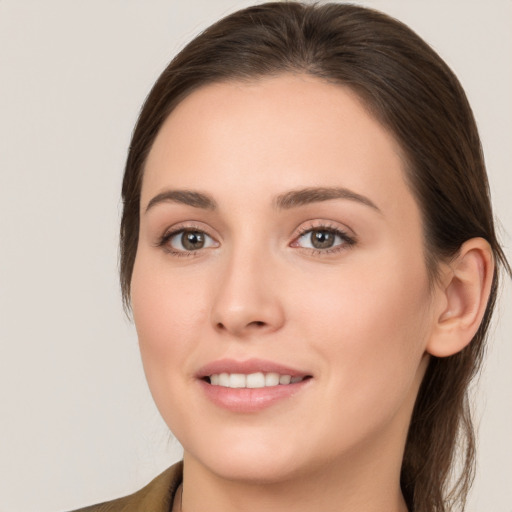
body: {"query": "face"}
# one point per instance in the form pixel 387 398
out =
pixel 280 291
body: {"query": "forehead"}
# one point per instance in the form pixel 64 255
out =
pixel 279 132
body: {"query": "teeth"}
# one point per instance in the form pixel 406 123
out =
pixel 285 379
pixel 256 380
pixel 271 379
pixel 253 380
pixel 224 380
pixel 237 380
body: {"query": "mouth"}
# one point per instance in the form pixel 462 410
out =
pixel 252 380
pixel 251 385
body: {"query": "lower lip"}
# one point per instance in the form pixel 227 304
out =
pixel 246 400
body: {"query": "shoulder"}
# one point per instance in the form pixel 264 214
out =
pixel 157 496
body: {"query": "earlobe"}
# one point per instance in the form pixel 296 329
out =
pixel 462 298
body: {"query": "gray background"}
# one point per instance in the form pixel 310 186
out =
pixel 77 424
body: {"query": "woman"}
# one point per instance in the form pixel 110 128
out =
pixel 308 248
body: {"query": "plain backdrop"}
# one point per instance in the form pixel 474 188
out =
pixel 77 423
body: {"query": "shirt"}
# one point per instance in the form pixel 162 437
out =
pixel 157 496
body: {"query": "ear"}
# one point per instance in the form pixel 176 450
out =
pixel 461 298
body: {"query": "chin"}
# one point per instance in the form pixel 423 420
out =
pixel 249 462
pixel 256 472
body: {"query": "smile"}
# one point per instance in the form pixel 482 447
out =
pixel 252 385
pixel 252 380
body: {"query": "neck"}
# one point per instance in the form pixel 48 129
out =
pixel 348 486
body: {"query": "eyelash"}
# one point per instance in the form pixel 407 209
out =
pixel 168 235
pixel 347 240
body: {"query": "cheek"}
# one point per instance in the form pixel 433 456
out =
pixel 169 312
pixel 372 328
pixel 369 301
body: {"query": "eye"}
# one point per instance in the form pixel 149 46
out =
pixel 323 239
pixel 188 240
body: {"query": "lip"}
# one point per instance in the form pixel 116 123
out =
pixel 248 366
pixel 250 400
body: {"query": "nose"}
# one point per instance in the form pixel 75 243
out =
pixel 247 297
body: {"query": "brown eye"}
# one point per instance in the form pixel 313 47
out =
pixel 192 240
pixel 321 239
pixel 189 240
pixel 324 239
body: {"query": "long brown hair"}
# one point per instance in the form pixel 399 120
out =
pixel 412 92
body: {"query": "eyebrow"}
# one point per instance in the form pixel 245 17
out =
pixel 286 201
pixel 310 195
pixel 188 197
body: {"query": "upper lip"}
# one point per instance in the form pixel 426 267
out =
pixel 247 367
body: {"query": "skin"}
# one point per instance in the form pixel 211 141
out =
pixel 358 318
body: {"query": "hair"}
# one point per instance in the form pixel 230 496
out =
pixel 408 88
